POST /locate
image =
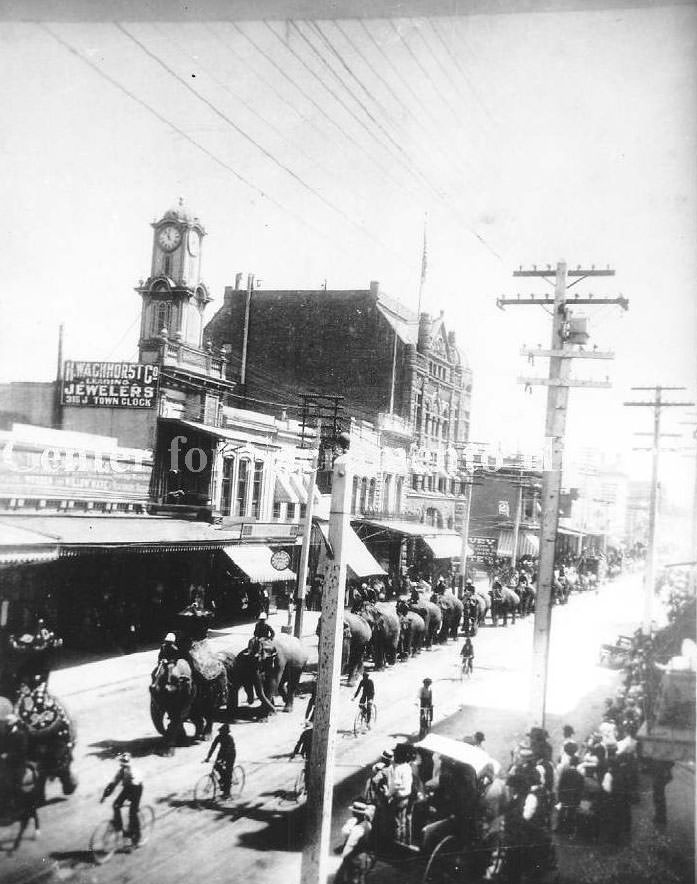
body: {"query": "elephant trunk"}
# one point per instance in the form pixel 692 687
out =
pixel 261 693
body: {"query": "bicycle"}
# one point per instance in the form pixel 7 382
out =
pixel 106 840
pixel 425 720
pixel 466 668
pixel 361 724
pixel 209 785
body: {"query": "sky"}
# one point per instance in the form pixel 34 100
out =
pixel 313 150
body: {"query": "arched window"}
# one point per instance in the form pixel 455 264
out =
pixel 371 494
pixel 161 316
pixel 354 495
pixel 226 495
pixel 386 491
pixel 242 485
pixel 364 494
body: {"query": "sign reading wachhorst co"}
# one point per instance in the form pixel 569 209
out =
pixel 110 384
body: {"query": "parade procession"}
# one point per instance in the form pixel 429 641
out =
pixel 321 560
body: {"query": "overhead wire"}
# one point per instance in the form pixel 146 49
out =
pixel 245 135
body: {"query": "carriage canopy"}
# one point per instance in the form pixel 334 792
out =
pixel 463 753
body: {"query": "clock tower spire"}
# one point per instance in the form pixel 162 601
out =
pixel 174 296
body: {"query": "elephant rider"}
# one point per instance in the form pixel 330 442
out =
pixel 131 783
pixel 366 688
pixel 358 597
pixel 262 628
pixel 225 762
pixel 169 649
pixel 354 855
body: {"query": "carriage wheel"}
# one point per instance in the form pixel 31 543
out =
pixel 239 778
pixel 445 863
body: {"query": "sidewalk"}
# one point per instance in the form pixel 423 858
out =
pixel 84 677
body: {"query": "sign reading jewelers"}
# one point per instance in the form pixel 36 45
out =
pixel 109 384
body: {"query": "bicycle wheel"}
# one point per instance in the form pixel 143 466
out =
pixel 205 789
pixel 360 725
pixel 374 715
pixel 104 842
pixel 445 863
pixel 300 788
pixel 146 816
pixel 239 778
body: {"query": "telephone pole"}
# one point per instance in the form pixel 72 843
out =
pixel 320 767
pixel 567 332
pixel 658 404
pixel 307 537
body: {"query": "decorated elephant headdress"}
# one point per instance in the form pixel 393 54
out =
pixel 263 649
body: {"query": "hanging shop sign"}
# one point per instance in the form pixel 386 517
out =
pixel 483 547
pixel 109 384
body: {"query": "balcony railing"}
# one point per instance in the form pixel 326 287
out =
pixel 393 423
pixel 185 356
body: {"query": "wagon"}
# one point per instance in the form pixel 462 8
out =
pixel 617 655
pixel 446 828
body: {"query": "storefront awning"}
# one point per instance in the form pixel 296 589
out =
pixel 444 546
pixel 284 491
pixel 528 544
pixel 358 558
pixel 255 562
pixel 19 546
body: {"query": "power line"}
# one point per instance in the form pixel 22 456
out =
pixel 240 131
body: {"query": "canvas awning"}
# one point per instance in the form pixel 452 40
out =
pixel 255 562
pixel 444 546
pixel 284 490
pixel 528 544
pixel 358 557
pixel 20 546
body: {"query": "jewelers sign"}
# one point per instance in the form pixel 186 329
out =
pixel 109 384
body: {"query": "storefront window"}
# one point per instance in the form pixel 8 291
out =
pixel 387 489
pixel 226 495
pixel 242 483
pixel 371 494
pixel 256 487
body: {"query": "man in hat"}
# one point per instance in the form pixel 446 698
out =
pixel 131 783
pixel 356 850
pixel 225 762
pixel 262 628
pixel 169 649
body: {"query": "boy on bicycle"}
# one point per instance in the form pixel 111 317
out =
pixel 467 654
pixel 225 762
pixel 131 784
pixel 366 689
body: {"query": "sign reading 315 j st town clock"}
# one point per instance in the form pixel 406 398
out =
pixel 109 384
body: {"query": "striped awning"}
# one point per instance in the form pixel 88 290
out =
pixel 528 544
pixel 255 562
pixel 284 492
pixel 21 546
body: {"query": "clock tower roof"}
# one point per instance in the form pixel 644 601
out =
pixel 181 214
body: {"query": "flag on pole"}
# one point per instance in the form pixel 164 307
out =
pixel 424 256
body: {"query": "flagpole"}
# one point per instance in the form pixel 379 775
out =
pixel 423 269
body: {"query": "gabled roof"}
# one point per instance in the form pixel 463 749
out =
pixel 404 322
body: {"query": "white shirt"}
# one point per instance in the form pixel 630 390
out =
pixel 400 779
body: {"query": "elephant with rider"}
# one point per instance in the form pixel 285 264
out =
pixel 451 608
pixel 385 628
pixel 189 688
pixel 266 668
pixel 412 631
pixel 430 613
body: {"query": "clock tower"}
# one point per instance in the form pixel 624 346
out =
pixel 174 297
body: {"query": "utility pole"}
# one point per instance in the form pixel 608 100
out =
pixel 658 403
pixel 320 767
pixel 466 535
pixel 307 536
pixel 516 524
pixel 566 332
pixel 245 331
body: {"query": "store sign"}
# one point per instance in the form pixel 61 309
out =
pixel 483 547
pixel 280 560
pixel 109 384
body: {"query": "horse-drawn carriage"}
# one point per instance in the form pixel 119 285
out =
pixel 616 656
pixel 456 825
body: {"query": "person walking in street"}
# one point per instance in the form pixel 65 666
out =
pixel 661 775
pixel 467 655
pixel 131 783
pixel 225 762
pixel 425 701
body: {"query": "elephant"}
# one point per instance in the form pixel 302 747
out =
pixel 51 736
pixel 384 623
pixel 452 609
pixel 431 615
pixel 357 636
pixel 473 609
pixel 269 667
pixel 21 794
pixel 504 601
pixel 412 632
pixel 181 691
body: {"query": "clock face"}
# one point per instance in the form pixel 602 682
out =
pixel 193 243
pixel 169 238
